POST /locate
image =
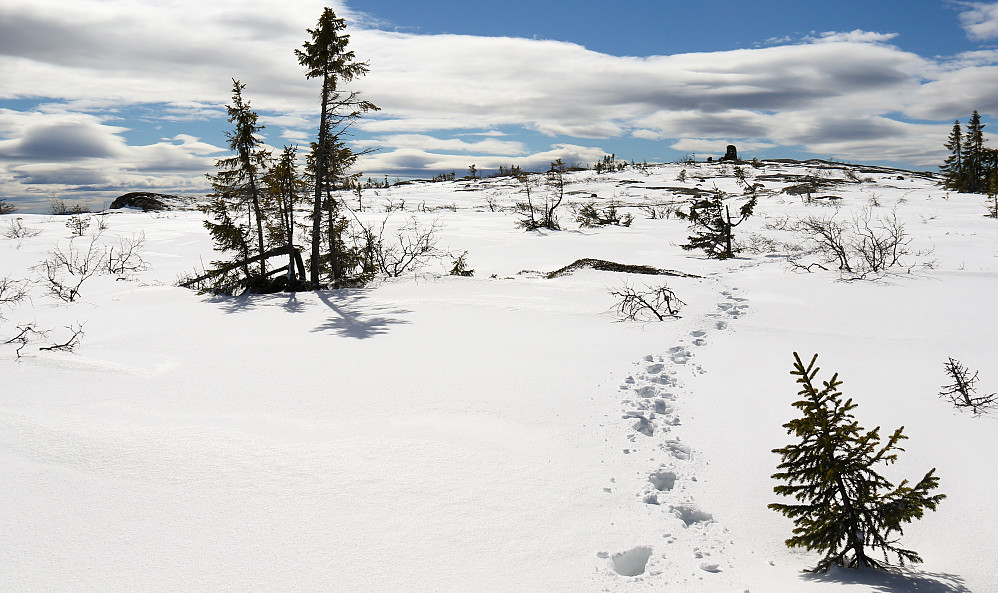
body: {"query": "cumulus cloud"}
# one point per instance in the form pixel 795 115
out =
pixel 50 152
pixel 39 137
pixel 979 20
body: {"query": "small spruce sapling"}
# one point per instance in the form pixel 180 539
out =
pixel 963 391
pixel 845 509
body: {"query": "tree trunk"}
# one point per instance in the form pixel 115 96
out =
pixel 320 166
pixel 259 223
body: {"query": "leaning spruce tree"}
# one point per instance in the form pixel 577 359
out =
pixel 237 187
pixel 845 509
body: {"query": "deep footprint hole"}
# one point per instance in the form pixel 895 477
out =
pixel 632 562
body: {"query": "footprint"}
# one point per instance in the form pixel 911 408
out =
pixel 691 515
pixel 663 481
pixel 632 562
pixel 643 425
pixel 678 450
pixel 664 379
pixel 647 391
pixel 679 355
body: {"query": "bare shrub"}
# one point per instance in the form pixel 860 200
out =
pixel 76 334
pixel 541 212
pixel 65 270
pixel 125 257
pixel 16 230
pixel 651 304
pixel 61 207
pixel 25 333
pixel 413 248
pixel 6 207
pixel 858 248
pixel 12 292
pixel 963 391
pixel 659 211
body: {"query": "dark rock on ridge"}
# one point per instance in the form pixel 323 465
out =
pixel 147 201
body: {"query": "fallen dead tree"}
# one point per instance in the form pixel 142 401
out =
pixel 220 280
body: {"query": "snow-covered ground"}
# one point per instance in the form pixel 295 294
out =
pixel 504 432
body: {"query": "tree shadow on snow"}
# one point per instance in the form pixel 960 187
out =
pixel 247 302
pixel 901 581
pixel 349 321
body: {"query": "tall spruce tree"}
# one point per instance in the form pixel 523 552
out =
pixel 846 510
pixel 237 190
pixel 953 167
pixel 974 165
pixel 326 57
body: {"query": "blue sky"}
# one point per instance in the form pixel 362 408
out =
pixel 667 27
pixel 101 97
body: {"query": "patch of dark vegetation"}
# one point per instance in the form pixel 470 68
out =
pixel 690 191
pixel 609 266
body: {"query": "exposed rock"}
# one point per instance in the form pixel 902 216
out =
pixel 731 154
pixel 609 266
pixel 145 200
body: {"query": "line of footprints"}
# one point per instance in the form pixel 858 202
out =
pixel 693 541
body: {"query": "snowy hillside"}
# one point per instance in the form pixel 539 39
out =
pixel 504 432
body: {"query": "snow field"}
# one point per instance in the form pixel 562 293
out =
pixel 437 433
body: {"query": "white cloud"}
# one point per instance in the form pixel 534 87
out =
pixel 855 36
pixel 430 143
pixel 706 147
pixel 834 92
pixel 416 162
pixel 980 20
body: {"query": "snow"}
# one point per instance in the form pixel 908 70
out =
pixel 506 433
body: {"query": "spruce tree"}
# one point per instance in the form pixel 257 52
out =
pixel 710 219
pixel 325 56
pixel 845 509
pixel 953 167
pixel 975 173
pixel 285 190
pixel 237 189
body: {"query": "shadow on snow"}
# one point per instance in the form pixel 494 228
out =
pixel 902 581
pixel 349 322
pixel 351 319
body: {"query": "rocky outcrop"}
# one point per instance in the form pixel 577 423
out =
pixel 147 201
